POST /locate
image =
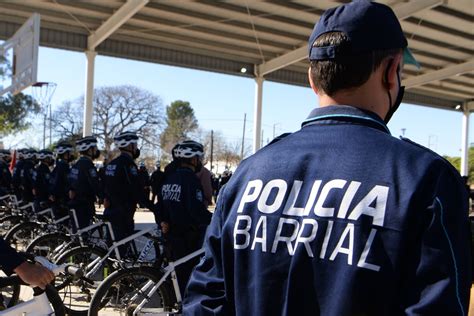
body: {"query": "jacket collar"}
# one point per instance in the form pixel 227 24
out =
pixel 343 113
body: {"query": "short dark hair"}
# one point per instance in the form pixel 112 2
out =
pixel 351 71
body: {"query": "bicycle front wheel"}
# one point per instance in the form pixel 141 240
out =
pixel 123 291
pixel 45 245
pixel 77 294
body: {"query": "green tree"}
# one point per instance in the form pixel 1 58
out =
pixel 456 162
pixel 14 112
pixel 180 123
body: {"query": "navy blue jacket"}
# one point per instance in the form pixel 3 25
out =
pixel 9 258
pixel 41 178
pixel 339 218
pixel 84 181
pixel 5 177
pixel 180 201
pixel 123 186
pixel 26 179
pixel 59 185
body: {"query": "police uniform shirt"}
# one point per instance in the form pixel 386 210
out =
pixel 5 176
pixel 9 258
pixel 16 174
pixel 181 200
pixel 41 178
pixel 122 183
pixel 59 185
pixel 339 218
pixel 84 181
pixel 26 176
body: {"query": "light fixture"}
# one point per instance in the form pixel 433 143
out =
pixel 457 107
pixel 243 70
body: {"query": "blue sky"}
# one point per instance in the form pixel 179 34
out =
pixel 220 101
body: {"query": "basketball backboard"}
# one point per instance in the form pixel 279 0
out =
pixel 19 53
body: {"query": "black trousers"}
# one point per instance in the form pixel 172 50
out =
pixel 183 243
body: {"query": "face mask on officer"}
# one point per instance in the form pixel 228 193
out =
pixel 96 153
pixel 398 100
pixel 198 165
pixel 136 153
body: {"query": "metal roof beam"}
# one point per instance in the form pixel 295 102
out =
pixel 120 17
pixel 439 74
pixel 402 11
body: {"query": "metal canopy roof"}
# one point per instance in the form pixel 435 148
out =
pixel 266 37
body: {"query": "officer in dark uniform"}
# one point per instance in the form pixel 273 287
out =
pixel 41 178
pixel 341 218
pixel 16 173
pixel 5 174
pixel 144 180
pixel 123 188
pixel 84 181
pixel 155 181
pixel 181 211
pixel 27 174
pixel 59 184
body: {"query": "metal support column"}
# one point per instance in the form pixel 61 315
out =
pixel 257 117
pixel 465 141
pixel 89 94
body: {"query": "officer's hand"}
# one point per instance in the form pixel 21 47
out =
pixel 34 274
pixel 165 227
pixel 34 191
pixel 51 198
pixel 106 203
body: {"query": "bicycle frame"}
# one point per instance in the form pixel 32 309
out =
pixel 37 306
pixel 95 265
pixel 169 270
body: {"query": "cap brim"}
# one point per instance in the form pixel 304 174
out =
pixel 408 58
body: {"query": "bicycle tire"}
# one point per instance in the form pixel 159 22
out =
pixel 118 287
pixel 79 256
pixel 44 245
pixel 20 235
pixel 8 221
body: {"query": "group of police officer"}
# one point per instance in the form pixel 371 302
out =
pixel 76 184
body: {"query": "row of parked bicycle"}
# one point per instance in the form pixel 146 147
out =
pixel 132 276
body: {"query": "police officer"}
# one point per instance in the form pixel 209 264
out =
pixel 26 175
pixel 123 188
pixel 341 218
pixel 41 178
pixel 155 181
pixel 5 174
pixel 181 211
pixel 84 181
pixel 144 181
pixel 59 184
pixel 16 173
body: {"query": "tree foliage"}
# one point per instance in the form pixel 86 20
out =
pixel 456 162
pixel 180 123
pixel 15 111
pixel 116 109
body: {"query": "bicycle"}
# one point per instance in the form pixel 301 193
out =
pixel 97 263
pixel 44 302
pixel 141 290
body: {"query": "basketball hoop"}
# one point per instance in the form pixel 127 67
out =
pixel 43 93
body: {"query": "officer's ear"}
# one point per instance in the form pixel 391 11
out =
pixel 311 82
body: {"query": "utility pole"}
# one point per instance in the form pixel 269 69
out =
pixel 243 138
pixel 212 147
pixel 50 126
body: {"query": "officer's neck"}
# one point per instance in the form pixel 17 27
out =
pixel 127 153
pixel 87 157
pixel 187 165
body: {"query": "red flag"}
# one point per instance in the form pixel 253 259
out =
pixel 13 162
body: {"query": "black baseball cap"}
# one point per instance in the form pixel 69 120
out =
pixel 369 26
